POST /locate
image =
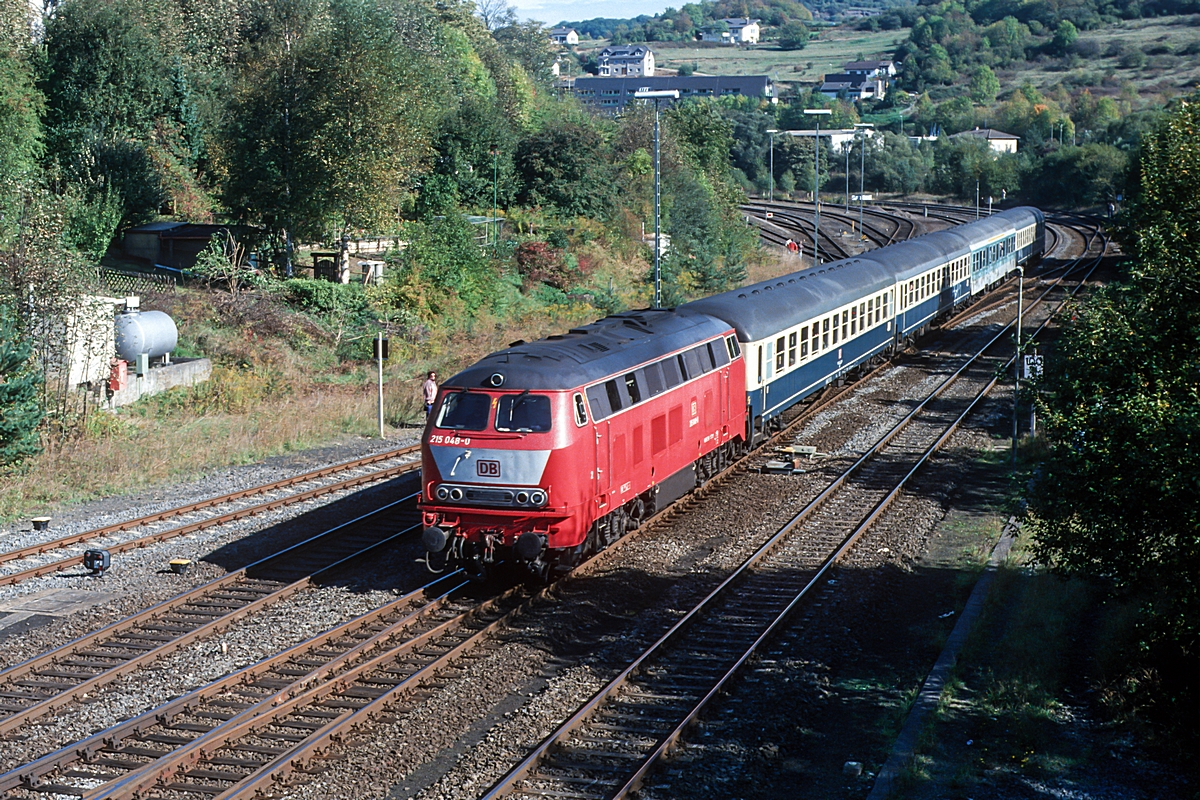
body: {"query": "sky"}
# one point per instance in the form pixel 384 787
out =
pixel 555 11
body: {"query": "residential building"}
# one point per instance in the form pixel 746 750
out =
pixel 999 141
pixel 838 138
pixel 614 93
pixel 564 36
pixel 621 61
pixel 873 69
pixel 734 31
pixel 854 86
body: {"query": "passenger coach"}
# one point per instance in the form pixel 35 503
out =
pixel 802 331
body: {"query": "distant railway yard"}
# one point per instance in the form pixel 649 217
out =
pixel 279 630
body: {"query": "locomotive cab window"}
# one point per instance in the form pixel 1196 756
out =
pixel 464 411
pixel 580 410
pixel 523 413
pixel 731 343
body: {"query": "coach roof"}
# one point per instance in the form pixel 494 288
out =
pixel 763 309
pixel 584 355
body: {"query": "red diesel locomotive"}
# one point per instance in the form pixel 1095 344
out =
pixel 548 451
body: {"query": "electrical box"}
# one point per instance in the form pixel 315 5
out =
pixel 97 561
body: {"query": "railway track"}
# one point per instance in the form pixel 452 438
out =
pixel 370 469
pixel 332 697
pixel 251 755
pixel 610 744
pixel 793 220
pixel 67 674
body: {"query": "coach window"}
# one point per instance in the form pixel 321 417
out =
pixel 845 324
pixel 779 354
pixel 824 335
pixel 580 410
pixel 524 413
pixel 792 349
pixel 760 363
pixel 864 315
pixel 853 321
pixel 465 411
pixel 804 342
pixel 631 386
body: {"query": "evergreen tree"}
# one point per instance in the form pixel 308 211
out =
pixel 20 413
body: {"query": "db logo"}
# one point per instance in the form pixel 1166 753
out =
pixel 487 469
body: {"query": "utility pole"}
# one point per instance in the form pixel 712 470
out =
pixel 495 199
pixel 818 113
pixel 862 169
pixel 1017 359
pixel 657 97
pixel 771 132
pixel 379 361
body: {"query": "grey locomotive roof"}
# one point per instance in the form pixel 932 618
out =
pixel 583 355
pixel 759 311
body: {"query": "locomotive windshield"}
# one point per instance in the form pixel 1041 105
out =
pixel 464 411
pixel 524 413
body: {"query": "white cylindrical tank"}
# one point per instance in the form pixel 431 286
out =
pixel 150 332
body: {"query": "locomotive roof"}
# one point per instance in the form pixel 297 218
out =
pixel 763 309
pixel 583 355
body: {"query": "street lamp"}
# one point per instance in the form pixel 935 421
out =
pixel 657 97
pixel 818 113
pixel 771 132
pixel 862 169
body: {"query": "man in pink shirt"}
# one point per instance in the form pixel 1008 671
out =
pixel 429 390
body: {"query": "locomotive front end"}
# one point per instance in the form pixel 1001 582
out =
pixel 498 474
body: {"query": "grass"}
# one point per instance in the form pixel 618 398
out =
pixel 825 55
pixel 1099 64
pixel 1039 635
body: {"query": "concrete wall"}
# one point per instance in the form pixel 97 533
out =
pixel 159 378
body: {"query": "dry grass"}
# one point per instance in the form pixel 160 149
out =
pixel 135 454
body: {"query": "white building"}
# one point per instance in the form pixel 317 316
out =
pixel 626 61
pixel 854 87
pixel 999 141
pixel 565 36
pixel 738 31
pixel 873 69
pixel 838 138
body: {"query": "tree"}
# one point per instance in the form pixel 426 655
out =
pixel 1116 497
pixel 20 413
pixel 564 167
pixel 496 14
pixel 984 86
pixel 793 36
pixel 1064 36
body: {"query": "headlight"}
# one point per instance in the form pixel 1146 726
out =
pixel 456 493
pixel 537 497
pixel 442 493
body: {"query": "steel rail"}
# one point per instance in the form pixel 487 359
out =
pixel 285 673
pixel 662 515
pixel 525 770
pixel 152 633
pixel 210 522
pixel 199 505
pixel 791 211
pixel 667 742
